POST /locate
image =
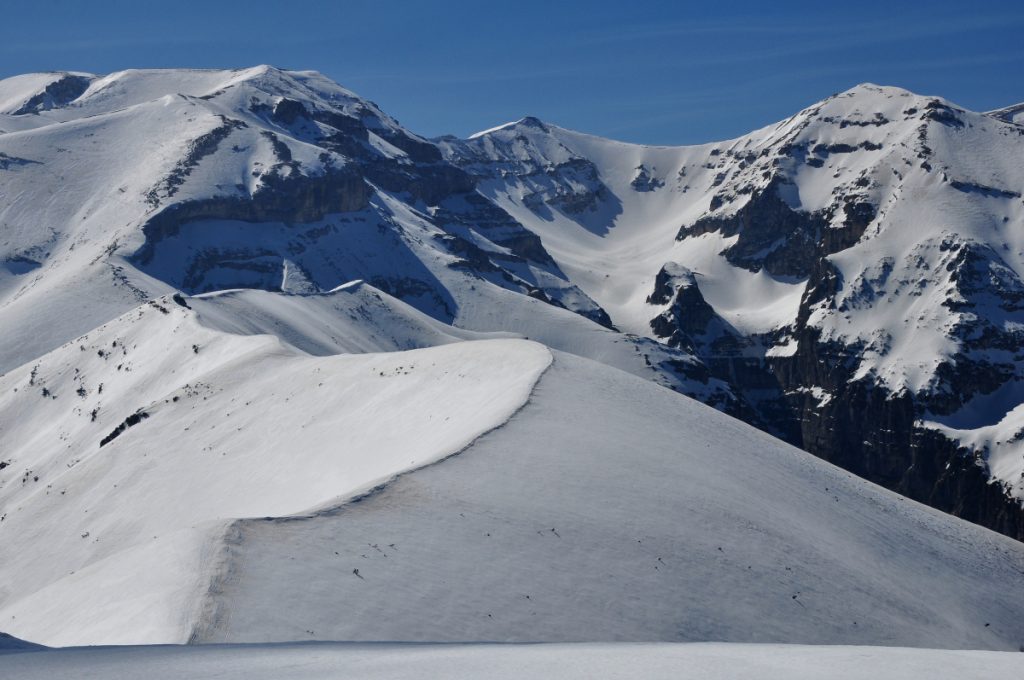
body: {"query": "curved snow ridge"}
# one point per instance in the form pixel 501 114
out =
pixel 611 509
pixel 270 433
pixel 225 566
pixel 355 317
pixel 337 505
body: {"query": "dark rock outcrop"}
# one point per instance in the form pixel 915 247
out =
pixel 772 235
pixel 59 93
pixel 281 199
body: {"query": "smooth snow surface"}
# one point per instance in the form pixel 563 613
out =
pixel 497 662
pixel 651 518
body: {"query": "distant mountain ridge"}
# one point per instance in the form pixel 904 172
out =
pixel 853 272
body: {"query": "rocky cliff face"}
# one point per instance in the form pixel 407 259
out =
pixel 842 409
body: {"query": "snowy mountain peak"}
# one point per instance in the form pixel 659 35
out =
pixel 239 267
pixel 526 123
pixel 829 233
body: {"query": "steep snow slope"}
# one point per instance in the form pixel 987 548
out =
pixel 38 92
pixel 231 148
pixel 849 279
pixel 606 508
pixel 605 218
pixel 556 661
pixel 651 518
pixel 612 214
pixel 126 450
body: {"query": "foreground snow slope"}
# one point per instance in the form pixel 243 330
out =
pixel 555 661
pixel 125 451
pixel 611 509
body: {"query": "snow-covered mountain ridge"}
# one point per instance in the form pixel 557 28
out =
pixel 247 187
pixel 873 234
pixel 253 326
pixel 235 467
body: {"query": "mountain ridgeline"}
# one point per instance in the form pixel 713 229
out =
pixel 848 280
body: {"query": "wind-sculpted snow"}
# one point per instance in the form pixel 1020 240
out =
pixel 249 319
pixel 126 450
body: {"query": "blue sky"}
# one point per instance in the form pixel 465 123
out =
pixel 653 72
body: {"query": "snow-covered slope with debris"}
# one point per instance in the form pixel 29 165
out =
pixel 556 661
pixel 126 450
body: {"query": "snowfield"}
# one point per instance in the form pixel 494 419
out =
pixel 556 661
pixel 631 525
